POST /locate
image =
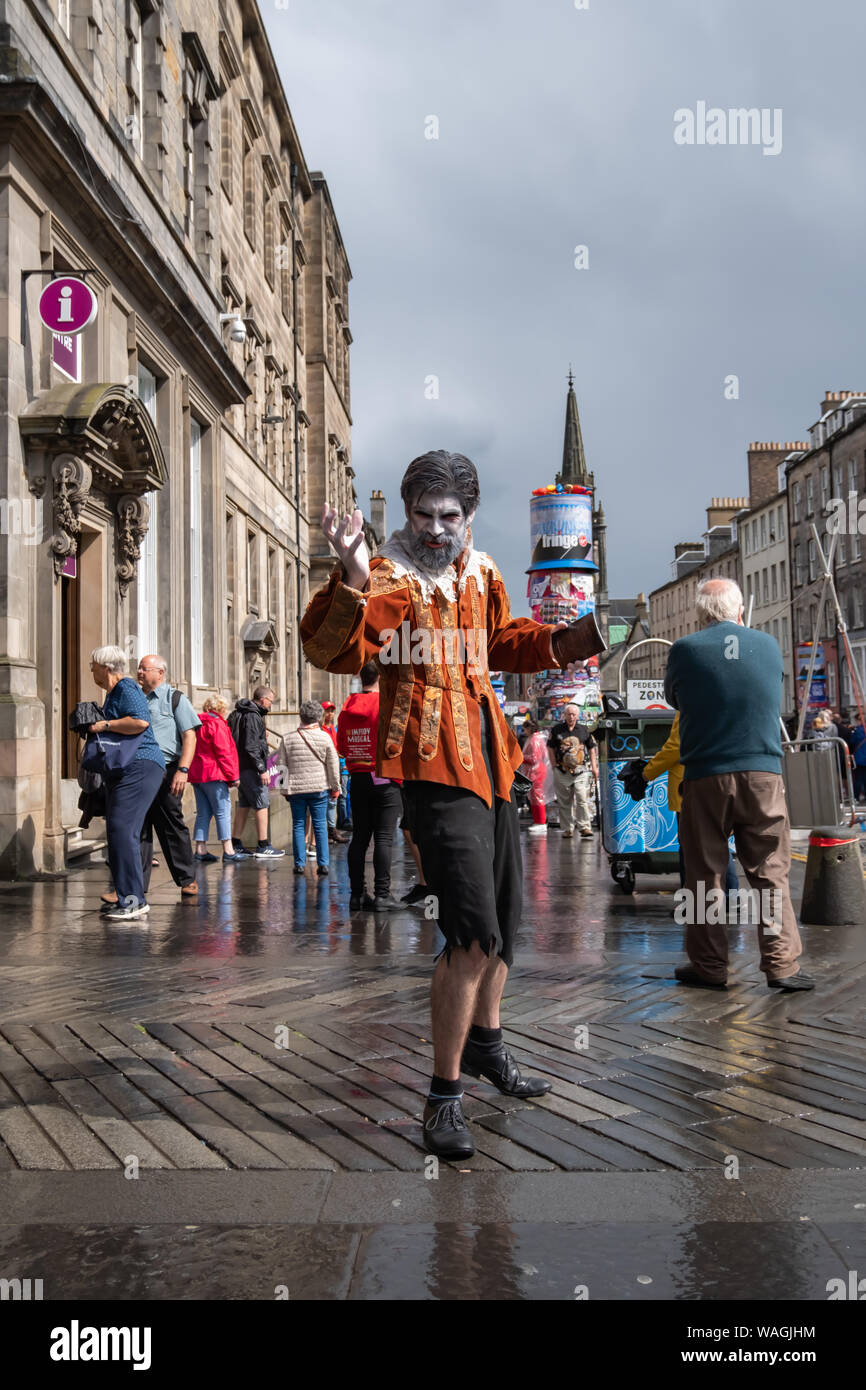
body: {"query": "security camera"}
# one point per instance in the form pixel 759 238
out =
pixel 239 332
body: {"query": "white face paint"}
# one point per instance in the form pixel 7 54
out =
pixel 438 528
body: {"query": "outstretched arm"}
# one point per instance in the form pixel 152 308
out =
pixel 515 644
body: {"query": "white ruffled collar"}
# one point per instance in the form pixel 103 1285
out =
pixel 396 549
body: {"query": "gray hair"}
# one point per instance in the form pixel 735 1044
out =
pixel 443 472
pixel 718 601
pixel 114 658
pixel 311 712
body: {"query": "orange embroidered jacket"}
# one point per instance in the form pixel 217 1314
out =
pixel 434 641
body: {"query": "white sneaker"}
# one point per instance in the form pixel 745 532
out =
pixel 127 914
pixel 538 830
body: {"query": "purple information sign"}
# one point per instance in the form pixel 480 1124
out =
pixel 70 567
pixel 67 305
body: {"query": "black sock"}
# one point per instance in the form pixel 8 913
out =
pixel 443 1090
pixel 486 1039
pixel 263 844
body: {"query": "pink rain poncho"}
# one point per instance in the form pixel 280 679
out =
pixel 536 766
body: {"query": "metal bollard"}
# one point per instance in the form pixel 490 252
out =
pixel 834 893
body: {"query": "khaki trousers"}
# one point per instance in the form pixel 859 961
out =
pixel 572 797
pixel 752 807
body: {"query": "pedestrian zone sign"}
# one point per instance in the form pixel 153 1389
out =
pixel 643 694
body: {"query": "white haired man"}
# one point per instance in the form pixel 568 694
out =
pixel 572 752
pixel 726 682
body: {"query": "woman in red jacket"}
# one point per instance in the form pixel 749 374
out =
pixel 213 770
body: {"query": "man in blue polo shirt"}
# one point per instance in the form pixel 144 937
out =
pixel 726 682
pixel 174 723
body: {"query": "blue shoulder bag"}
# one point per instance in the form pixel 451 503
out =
pixel 110 754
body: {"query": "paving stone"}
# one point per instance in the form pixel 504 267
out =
pixel 171 1052
pixel 213 1129
pixel 25 1140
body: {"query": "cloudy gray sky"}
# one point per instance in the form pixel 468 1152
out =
pixel 556 129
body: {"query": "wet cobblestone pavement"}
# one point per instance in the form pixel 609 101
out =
pixel 260 1058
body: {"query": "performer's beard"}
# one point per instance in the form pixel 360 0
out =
pixel 436 558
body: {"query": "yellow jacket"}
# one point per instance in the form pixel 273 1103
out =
pixel 667 759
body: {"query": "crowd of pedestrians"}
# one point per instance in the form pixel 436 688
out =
pixel 325 769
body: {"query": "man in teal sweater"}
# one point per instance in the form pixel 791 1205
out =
pixel 726 682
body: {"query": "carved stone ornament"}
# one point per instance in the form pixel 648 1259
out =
pixel 72 479
pixel 133 519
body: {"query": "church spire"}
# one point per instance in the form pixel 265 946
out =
pixel 573 458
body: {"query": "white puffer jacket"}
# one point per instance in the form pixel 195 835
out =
pixel 308 761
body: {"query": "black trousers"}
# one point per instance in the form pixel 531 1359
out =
pixel 375 812
pixel 165 816
pixel 472 861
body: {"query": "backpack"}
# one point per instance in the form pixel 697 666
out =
pixel 572 754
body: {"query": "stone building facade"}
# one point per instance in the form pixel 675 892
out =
pixel 832 468
pixel 765 579
pixel 672 605
pixel 174 458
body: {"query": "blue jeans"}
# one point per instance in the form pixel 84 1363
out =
pixel 127 801
pixel 317 804
pixel 212 799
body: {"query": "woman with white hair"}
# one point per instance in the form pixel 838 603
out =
pixel 310 776
pixel 128 793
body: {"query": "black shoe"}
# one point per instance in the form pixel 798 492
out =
pixel 322 871
pixel 387 904
pixel 445 1130
pixel 793 982
pixel 501 1070
pixel 416 894
pixel 299 868
pixel 687 975
pixel 355 902
pixel 206 858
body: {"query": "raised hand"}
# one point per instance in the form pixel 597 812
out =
pixel 346 538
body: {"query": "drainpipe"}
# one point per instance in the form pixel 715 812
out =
pixel 293 175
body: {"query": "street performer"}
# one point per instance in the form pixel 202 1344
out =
pixel 433 613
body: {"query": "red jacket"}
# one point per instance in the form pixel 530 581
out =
pixel 216 755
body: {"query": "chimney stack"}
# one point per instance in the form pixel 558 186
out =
pixel 764 460
pixel 377 514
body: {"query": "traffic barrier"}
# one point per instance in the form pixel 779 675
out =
pixel 834 893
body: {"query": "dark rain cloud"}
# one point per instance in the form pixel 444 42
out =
pixel 556 130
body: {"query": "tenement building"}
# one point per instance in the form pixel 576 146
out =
pixel 762 532
pixel 825 483
pixel 672 606
pixel 163 470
